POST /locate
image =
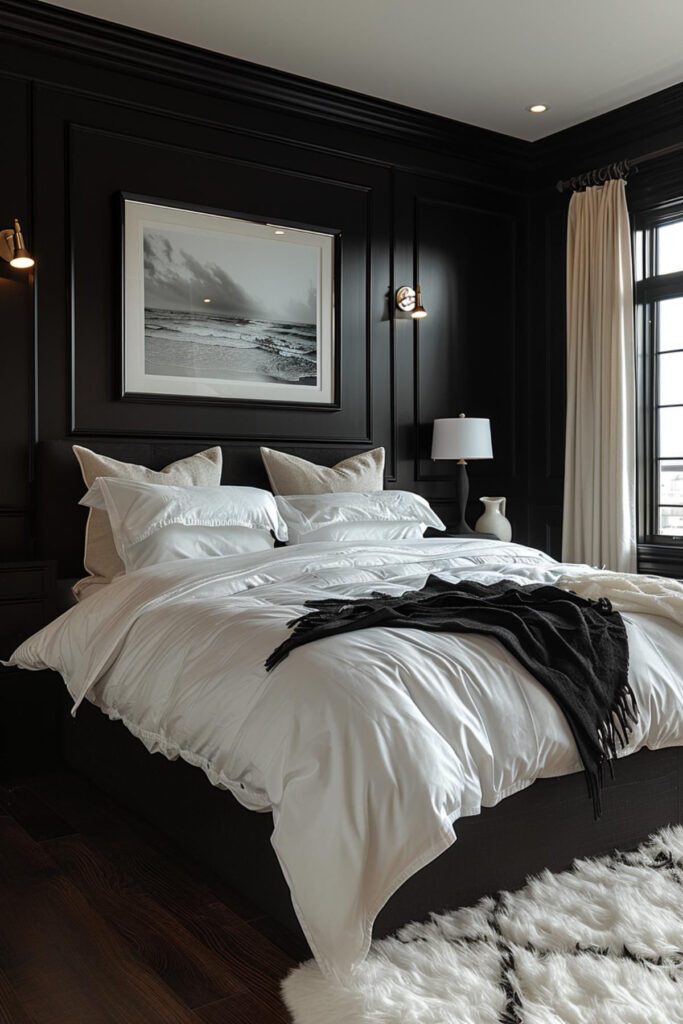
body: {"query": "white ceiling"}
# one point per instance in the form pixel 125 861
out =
pixel 479 61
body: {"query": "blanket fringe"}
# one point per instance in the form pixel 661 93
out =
pixel 613 734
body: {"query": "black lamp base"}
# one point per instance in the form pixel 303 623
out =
pixel 462 493
pixel 461 528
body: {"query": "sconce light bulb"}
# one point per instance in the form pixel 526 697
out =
pixel 15 253
pixel 419 312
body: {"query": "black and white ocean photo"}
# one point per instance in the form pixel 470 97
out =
pixel 231 308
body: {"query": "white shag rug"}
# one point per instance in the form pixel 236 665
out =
pixel 599 944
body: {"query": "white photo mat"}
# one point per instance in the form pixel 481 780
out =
pixel 219 307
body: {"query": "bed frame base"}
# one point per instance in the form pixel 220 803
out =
pixel 545 826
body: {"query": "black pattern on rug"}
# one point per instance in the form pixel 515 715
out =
pixel 603 940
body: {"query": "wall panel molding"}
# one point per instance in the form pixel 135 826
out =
pixel 483 373
pixel 16 528
pixel 86 124
pixel 16 330
pixel 152 57
pixel 109 110
pixel 649 123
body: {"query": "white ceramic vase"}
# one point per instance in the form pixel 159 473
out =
pixel 493 520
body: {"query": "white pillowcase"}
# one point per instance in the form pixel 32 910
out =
pixel 364 533
pixel 178 541
pixel 153 523
pixel 363 517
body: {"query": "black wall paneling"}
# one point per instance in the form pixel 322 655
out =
pixel 102 110
pixel 464 245
pixel 275 185
pixel 16 327
pixel 95 109
pixel 162 75
pixel 546 374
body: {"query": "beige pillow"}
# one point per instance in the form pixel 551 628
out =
pixel 290 475
pixel 101 559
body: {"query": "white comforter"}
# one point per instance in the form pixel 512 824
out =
pixel 366 746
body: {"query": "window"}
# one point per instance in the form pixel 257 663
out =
pixel 658 264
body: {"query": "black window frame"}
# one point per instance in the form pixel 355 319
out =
pixel 658 553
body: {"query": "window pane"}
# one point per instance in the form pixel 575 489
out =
pixel 671 482
pixel 638 242
pixel 670 377
pixel 670 317
pixel 671 521
pixel 671 433
pixel 670 248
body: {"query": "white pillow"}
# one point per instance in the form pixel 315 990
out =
pixel 178 541
pixel 370 516
pixel 364 533
pixel 154 523
pixel 100 559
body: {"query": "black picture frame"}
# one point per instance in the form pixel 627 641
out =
pixel 166 398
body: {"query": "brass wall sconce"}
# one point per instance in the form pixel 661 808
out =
pixel 409 300
pixel 13 250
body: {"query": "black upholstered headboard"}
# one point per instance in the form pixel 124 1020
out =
pixel 60 520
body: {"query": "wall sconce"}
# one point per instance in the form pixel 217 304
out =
pixel 409 300
pixel 13 250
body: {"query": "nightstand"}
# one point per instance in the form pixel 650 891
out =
pixel 30 702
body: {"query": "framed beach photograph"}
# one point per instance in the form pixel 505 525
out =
pixel 216 307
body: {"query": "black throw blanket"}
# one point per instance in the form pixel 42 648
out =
pixel 576 648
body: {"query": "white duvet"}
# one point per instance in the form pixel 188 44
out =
pixel 366 746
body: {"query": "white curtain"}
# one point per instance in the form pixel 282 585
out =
pixel 599 521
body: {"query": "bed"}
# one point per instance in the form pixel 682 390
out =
pixel 386 849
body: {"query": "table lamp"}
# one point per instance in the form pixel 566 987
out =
pixel 462 439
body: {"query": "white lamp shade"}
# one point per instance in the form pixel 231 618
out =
pixel 462 438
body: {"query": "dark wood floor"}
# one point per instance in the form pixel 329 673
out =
pixel 102 923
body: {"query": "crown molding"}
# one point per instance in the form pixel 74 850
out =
pixel 650 123
pixel 153 57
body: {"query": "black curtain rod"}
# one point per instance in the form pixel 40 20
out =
pixel 620 169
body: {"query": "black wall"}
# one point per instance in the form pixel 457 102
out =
pixel 91 109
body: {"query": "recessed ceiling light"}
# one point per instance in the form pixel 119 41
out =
pixel 279 231
pixel 206 300
pixel 537 108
